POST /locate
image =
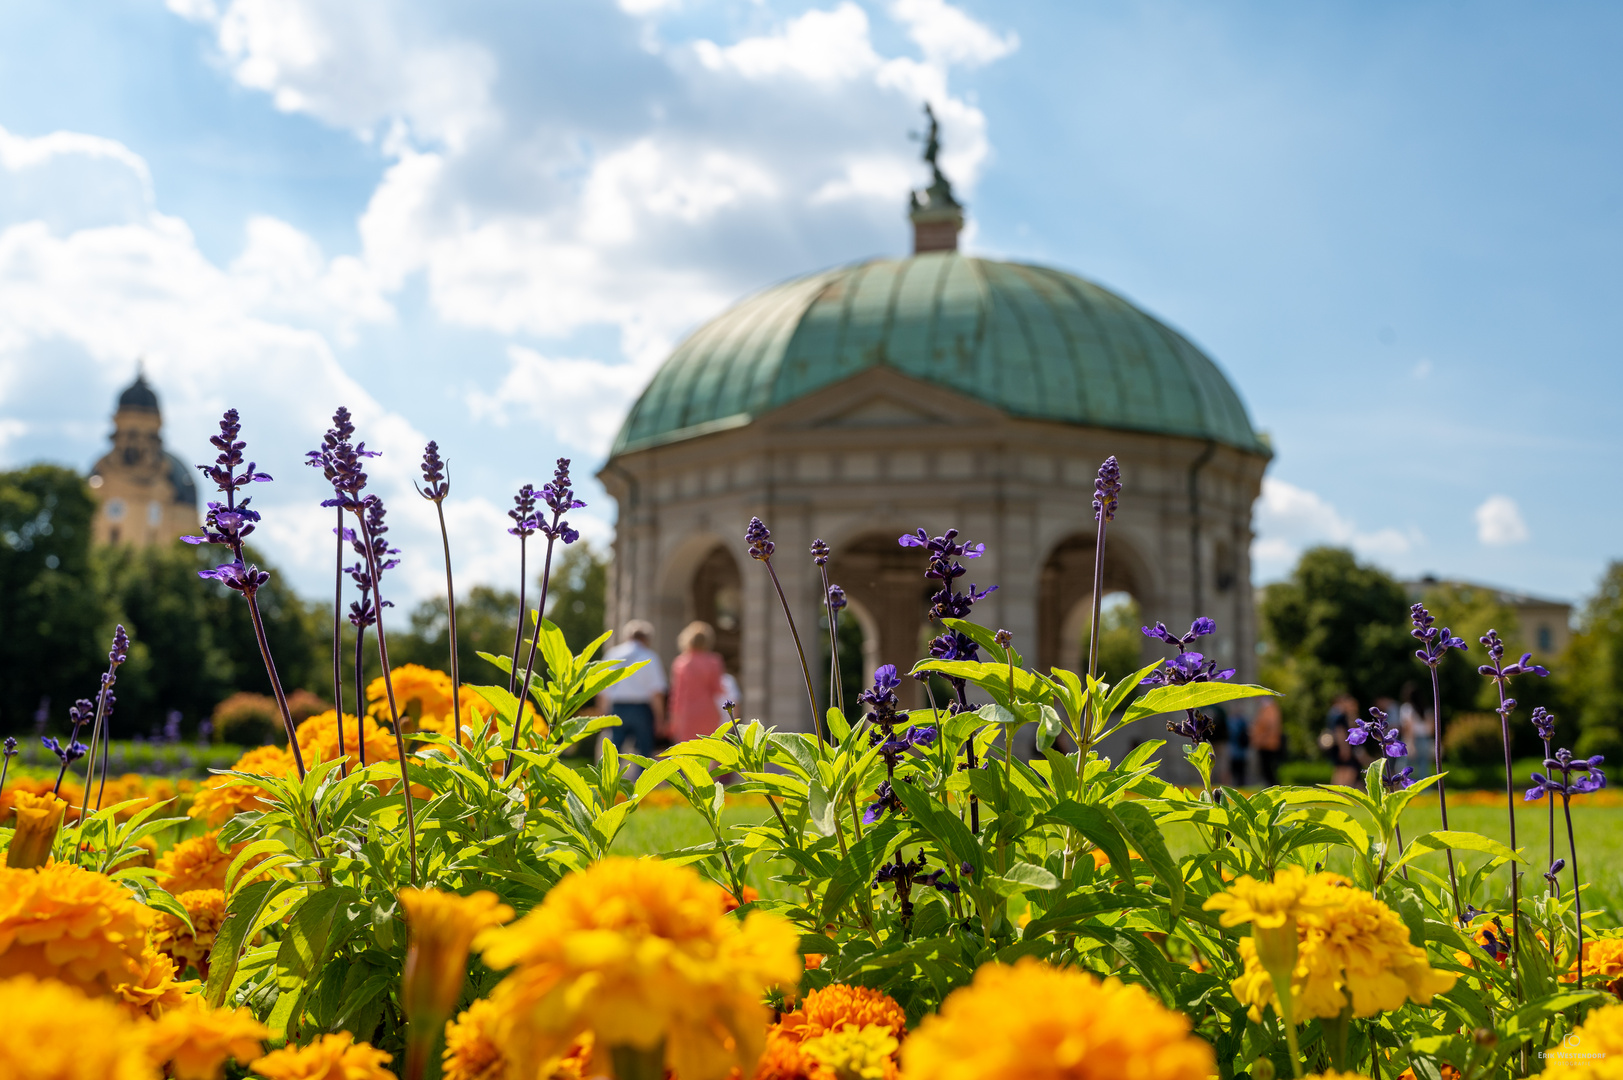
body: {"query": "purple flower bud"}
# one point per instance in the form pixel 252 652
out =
pixel 759 539
pixel 436 482
pixel 11 746
pixel 1003 638
pixel 523 512
pixel 820 552
pixel 1544 723
pixel 836 598
pixel 1106 490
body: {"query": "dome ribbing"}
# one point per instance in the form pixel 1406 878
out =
pixel 1035 342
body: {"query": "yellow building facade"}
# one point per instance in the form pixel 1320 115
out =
pixel 146 495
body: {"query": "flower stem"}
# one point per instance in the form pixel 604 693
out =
pixel 388 686
pixel 1442 795
pixel 836 692
pixel 338 642
pixel 450 607
pixel 811 695
pixel 529 666
pixel 1515 878
pixel 275 680
pixel 360 699
pixel 518 634
pixel 1577 897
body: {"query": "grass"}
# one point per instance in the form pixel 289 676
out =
pixel 1598 829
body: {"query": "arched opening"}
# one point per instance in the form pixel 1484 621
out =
pixel 886 582
pixel 716 596
pixel 858 638
pixel 1064 610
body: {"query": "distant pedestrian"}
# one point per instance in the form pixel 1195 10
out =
pixel 1334 741
pixel 696 685
pixel 1239 748
pixel 1267 738
pixel 638 699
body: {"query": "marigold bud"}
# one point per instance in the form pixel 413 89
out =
pixel 443 926
pixel 38 819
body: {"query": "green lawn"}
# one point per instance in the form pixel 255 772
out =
pixel 1599 832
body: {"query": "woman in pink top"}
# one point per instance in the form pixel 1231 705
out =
pixel 695 685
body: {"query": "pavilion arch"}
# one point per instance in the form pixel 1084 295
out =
pixel 1065 593
pixel 886 581
pixel 701 579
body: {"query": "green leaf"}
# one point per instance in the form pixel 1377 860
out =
pixel 1141 828
pixel 1124 689
pixel 241 914
pixel 1166 699
pixel 986 639
pixel 1453 838
pixel 303 952
pixel 1022 876
pixel 1101 828
pixel 838 725
pixel 1048 729
pixel 655 775
pixel 1140 953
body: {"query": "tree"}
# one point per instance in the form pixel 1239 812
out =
pixel 1593 667
pixel 54 623
pixel 485 620
pixel 1336 626
pixel 577 601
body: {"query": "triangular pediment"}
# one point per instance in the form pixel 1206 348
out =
pixel 881 412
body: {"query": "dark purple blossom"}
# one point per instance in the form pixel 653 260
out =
pixel 759 539
pixel 1184 668
pixel 66 754
pixel 1544 723
pixel 10 746
pixel 1591 777
pixel 836 598
pixel 1553 873
pixel 559 497
pixel 1188 667
pixel 436 474
pixel 1498 670
pixel 1434 642
pixel 1399 780
pixel 1107 490
pixel 885 802
pixel 1377 730
pixel 820 552
pixel 523 512
pixel 1200 628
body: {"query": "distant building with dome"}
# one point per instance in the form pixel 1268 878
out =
pixel 936 391
pixel 146 495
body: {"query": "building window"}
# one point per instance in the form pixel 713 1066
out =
pixel 115 509
pixel 1544 639
pixel 154 513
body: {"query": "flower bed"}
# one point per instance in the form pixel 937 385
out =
pixel 444 897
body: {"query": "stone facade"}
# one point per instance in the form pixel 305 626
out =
pixel 146 495
pixel 863 461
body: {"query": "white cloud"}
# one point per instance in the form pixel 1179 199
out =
pixel 947 35
pixel 1290 519
pixel 540 389
pixel 820 46
pixel 1499 522
pixel 354 65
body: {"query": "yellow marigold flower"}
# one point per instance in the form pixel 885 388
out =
pixel 854 1053
pixel 195 1041
pixel 318 740
pixel 443 926
pixel 38 819
pixel 1603 965
pixel 331 1057
pixel 155 988
pixel 1335 1074
pixel 1034 1022
pixel 1269 904
pixel 637 951
pixel 836 1007
pixel 54 1032
pixel 471 1052
pixel 206 909
pixel 1593 1051
pixel 62 922
pixel 1351 947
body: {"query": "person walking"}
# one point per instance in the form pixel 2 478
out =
pixel 697 685
pixel 1267 739
pixel 638 699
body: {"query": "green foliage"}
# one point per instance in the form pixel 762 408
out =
pixel 1336 626
pixel 248 720
pixel 52 613
pixel 1593 668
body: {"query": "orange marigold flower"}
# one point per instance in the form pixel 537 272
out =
pixel 206 909
pixel 836 1007
pixel 1449 1072
pixel 66 923
pixel 730 903
pixel 38 819
pixel 783 1059
pixel 331 1057
pixel 471 1052
pixel 318 740
pixel 54 1032
pixel 1035 1022
pixel 198 863
pixel 443 926
pixel 1603 965
pixel 195 1041
pixel 155 988
pixel 223 797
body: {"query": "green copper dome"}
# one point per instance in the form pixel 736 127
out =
pixel 1035 342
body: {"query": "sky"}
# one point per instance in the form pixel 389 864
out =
pixel 1395 227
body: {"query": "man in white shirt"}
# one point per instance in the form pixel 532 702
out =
pixel 639 699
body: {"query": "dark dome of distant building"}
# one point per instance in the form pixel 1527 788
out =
pixel 1035 342
pixel 138 395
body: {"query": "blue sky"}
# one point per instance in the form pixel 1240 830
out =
pixel 1396 226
